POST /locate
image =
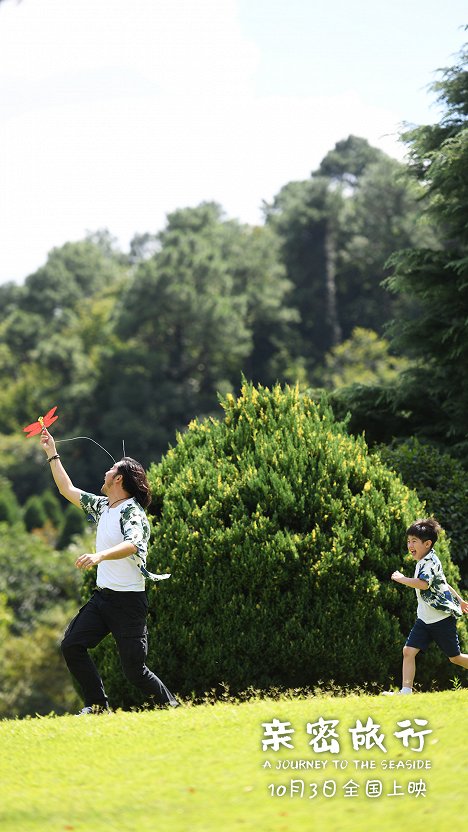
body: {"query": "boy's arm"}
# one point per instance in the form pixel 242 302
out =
pixel 415 583
pixel 61 478
pixel 463 604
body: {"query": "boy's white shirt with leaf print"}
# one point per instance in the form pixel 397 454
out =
pixel 436 602
pixel 125 522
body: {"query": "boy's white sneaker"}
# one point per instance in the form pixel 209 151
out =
pixel 402 692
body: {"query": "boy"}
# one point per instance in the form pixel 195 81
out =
pixel 439 604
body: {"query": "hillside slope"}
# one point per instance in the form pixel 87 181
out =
pixel 202 768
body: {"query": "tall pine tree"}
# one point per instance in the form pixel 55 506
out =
pixel 434 393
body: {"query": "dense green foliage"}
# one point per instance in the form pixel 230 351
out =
pixel 34 513
pixel 73 526
pixel 10 511
pixel 207 304
pixel 364 356
pixel 39 589
pixel 337 231
pixel 52 508
pixel 33 575
pixel 430 399
pixel 441 483
pixel 439 279
pixel 132 346
pixel 281 533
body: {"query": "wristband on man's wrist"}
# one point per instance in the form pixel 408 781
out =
pixel 50 458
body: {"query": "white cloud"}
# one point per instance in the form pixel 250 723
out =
pixel 180 45
pixel 115 113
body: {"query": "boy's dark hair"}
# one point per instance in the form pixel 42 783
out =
pixel 134 480
pixel 427 529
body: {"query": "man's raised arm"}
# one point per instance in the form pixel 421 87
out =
pixel 62 480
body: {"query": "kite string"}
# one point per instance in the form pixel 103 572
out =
pixel 72 439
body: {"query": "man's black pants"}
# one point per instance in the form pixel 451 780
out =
pixel 124 615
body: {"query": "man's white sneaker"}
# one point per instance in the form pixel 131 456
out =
pixel 90 710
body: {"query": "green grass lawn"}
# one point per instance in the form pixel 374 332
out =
pixel 202 768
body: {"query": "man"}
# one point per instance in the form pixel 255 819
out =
pixel 118 605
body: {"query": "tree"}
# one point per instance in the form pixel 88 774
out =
pixel 305 216
pixel 364 358
pixel 52 335
pixel 206 305
pixel 40 332
pixel 432 392
pixel 382 215
pixel 72 273
pixel 73 526
pixel 349 160
pixel 254 259
pixel 337 231
pixel 429 401
pixel 39 588
pixel 33 676
pixel 52 507
pixel 10 511
pixel 34 515
pixel 440 481
pixel 33 577
pixel 142 247
pixel 10 297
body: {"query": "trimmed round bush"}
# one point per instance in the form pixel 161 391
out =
pixel 10 511
pixel 52 508
pixel 74 525
pixel 34 514
pixel 281 532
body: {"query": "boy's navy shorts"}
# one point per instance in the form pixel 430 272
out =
pixel 443 632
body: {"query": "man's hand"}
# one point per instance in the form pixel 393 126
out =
pixel 48 443
pixel 87 561
pixel 397 576
pixel 464 605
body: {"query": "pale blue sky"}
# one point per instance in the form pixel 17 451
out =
pixel 114 113
pixel 388 51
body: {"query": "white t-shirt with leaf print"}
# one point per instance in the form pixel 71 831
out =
pixel 127 521
pixel 436 602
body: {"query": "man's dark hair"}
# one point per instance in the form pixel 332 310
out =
pixel 425 529
pixel 134 480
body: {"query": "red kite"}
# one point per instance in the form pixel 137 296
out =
pixel 42 422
